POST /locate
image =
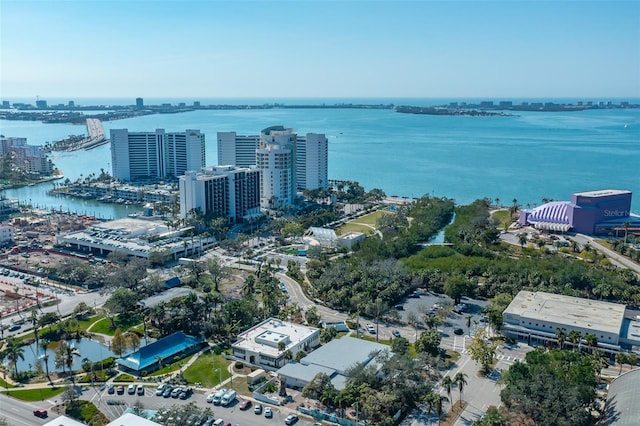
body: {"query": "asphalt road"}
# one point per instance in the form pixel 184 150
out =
pixel 68 300
pixel 19 413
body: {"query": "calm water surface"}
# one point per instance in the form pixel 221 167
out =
pixel 526 157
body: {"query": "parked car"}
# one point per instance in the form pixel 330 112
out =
pixel 176 393
pixel 458 331
pixel 395 333
pixel 111 389
pixel 244 405
pixel 15 327
pixel 140 390
pixel 120 390
pixel 371 329
pixel 291 419
pixel 40 412
pixel 257 409
pixel 460 308
pixel 160 389
pixel 131 389
pixel 210 397
pixel 268 413
pixel 185 392
pixel 167 392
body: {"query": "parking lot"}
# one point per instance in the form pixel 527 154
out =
pixel 443 306
pixel 113 405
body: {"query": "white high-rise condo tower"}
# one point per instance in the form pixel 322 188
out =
pixel 287 161
pixel 155 155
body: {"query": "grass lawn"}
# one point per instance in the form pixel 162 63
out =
pixel 82 325
pixel 103 326
pixel 502 216
pixel 123 322
pixel 372 218
pixel 127 378
pixel 169 368
pixel 5 385
pixel 353 227
pixel 207 370
pixel 35 394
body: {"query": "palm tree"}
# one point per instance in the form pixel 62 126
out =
pixel 574 337
pixel 44 344
pixel 158 359
pixel 34 322
pixel 561 336
pixel 626 231
pixel 522 239
pixel 621 358
pixel 592 341
pixel 438 403
pixel 468 322
pixel 599 362
pixel 447 384
pixel 64 357
pixel 460 379
pixel 13 353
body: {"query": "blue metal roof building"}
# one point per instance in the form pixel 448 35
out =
pixel 167 349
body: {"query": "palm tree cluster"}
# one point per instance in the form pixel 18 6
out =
pixel 435 401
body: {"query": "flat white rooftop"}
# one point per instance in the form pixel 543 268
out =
pixel 602 192
pixel 264 337
pixel 572 311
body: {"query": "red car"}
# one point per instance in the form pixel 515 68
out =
pixel 244 405
pixel 40 412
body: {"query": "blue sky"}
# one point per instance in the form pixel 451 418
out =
pixel 153 48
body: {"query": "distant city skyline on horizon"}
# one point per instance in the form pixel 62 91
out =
pixel 320 49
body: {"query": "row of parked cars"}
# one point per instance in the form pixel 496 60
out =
pixel 131 389
pixel 166 390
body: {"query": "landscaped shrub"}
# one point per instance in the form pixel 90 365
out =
pixel 124 378
pixel 86 412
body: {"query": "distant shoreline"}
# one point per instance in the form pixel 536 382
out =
pixel 75 115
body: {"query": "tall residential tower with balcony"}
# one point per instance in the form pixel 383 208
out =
pixel 221 191
pixel 148 156
pixel 287 161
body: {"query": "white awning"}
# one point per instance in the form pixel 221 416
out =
pixel 549 226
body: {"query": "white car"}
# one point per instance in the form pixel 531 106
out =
pixel 268 413
pixel 210 397
pixel 371 329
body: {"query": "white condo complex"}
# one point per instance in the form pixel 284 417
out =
pixel 155 155
pixel 224 191
pixel 287 162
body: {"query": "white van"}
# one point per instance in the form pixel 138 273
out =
pixel 228 398
pixel 218 422
pixel 218 396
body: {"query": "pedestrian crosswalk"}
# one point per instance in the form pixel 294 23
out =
pixel 500 357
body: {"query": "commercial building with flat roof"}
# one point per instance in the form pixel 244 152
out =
pixel 591 212
pixel 135 237
pixel 535 316
pixel 266 343
pixel 334 359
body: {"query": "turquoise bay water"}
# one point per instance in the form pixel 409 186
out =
pixel 527 157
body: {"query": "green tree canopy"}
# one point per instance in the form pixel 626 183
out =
pixel 552 388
